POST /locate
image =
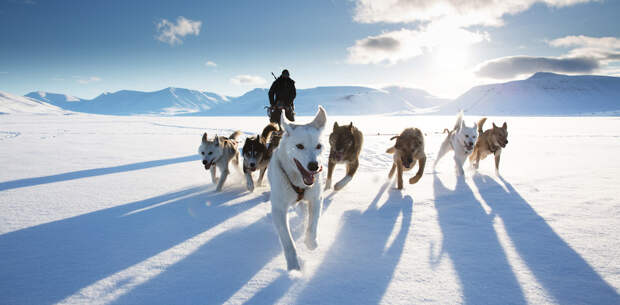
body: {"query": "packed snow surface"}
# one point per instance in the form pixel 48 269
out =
pixel 119 210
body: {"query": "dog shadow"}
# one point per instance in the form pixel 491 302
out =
pixel 46 263
pixel 363 257
pixel 561 271
pixel 7 185
pixel 244 252
pixel 471 243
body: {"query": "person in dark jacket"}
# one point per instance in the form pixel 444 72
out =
pixel 281 96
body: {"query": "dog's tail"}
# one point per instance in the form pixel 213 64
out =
pixel 268 130
pixel 459 120
pixel 235 135
pixel 480 123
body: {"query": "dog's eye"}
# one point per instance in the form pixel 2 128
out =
pixel 210 152
pixel 299 146
pixel 202 152
pixel 467 136
pixel 318 146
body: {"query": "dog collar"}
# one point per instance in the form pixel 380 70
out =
pixel 300 191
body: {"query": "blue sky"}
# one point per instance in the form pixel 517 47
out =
pixel 84 48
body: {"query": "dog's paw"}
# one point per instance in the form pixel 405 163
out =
pixel 293 265
pixel 414 179
pixel 311 244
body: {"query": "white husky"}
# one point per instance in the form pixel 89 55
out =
pixel 461 140
pixel 293 175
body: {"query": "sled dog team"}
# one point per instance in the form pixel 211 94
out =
pixel 292 156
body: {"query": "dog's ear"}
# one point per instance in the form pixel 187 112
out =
pixel 286 125
pixel 216 140
pixel 494 126
pixel 351 126
pixel 475 127
pixel 320 119
pixel 505 126
pixel 335 125
pixel 204 138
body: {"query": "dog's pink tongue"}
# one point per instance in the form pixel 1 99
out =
pixel 309 178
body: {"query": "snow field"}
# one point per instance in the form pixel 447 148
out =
pixel 118 210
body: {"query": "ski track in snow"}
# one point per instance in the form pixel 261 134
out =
pixel 119 210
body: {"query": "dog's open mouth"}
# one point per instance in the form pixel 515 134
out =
pixel 207 164
pixel 307 176
pixel 468 146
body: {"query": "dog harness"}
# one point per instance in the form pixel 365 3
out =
pixel 300 191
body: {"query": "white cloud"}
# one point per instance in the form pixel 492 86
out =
pixel 513 66
pixel 247 80
pixel 440 22
pixel 395 46
pixel 606 49
pixel 465 13
pixel 210 64
pixel 87 80
pixel 171 33
pixel 586 55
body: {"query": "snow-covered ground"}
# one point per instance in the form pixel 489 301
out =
pixel 118 210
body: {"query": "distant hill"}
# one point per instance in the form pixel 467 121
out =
pixel 542 94
pixel 344 100
pixel 337 100
pixel 169 101
pixel 10 103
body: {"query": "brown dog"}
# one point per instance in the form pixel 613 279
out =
pixel 346 145
pixel 489 142
pixel 408 149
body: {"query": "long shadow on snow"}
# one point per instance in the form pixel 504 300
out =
pixel 363 257
pixel 7 185
pixel 564 274
pixel 213 273
pixel 46 263
pixel 469 239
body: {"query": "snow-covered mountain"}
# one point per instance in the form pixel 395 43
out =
pixel 542 94
pixel 10 103
pixel 177 101
pixel 169 101
pixel 338 100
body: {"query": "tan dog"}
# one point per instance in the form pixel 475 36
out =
pixel 346 145
pixel 217 153
pixel 408 149
pixel 492 141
